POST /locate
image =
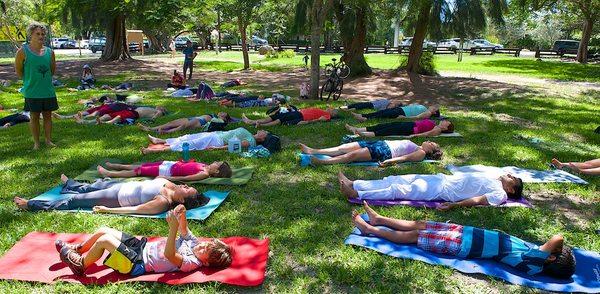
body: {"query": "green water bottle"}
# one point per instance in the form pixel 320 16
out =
pixel 185 153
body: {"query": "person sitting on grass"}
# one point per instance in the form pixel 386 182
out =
pixel 170 170
pixel 410 129
pixel 590 167
pixel 177 81
pixel 412 111
pixel 87 78
pixel 108 196
pixel 553 258
pixel 379 104
pixel 459 190
pixel 189 123
pixel 300 117
pixel 206 141
pixel 386 152
pixel 132 256
pixel 15 118
pixel 122 116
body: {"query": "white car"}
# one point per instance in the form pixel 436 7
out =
pixel 84 44
pixel 455 43
pixel 62 43
pixel 408 41
pixel 483 43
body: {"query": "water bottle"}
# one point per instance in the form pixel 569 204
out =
pixel 185 151
pixel 234 145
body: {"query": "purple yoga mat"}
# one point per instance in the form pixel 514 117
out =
pixel 433 204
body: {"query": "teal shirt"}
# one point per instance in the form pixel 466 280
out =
pixel 413 109
pixel 240 133
pixel 37 74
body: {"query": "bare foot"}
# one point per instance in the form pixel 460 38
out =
pixel 346 186
pixel 78 119
pixel 245 119
pixel 374 217
pixel 101 170
pixel 344 108
pixel 143 127
pixel 154 140
pixel 315 161
pixel 50 144
pixel 557 163
pixel 56 115
pixel 144 150
pixel 360 223
pixel 358 117
pixel 305 149
pixel 63 178
pixel 36 146
pixel 573 167
pixel 350 128
pixel 21 203
pixel 98 121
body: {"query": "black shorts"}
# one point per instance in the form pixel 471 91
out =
pixel 135 245
pixel 393 129
pixel 290 118
pixel 40 104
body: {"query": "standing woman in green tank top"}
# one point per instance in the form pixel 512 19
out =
pixel 36 65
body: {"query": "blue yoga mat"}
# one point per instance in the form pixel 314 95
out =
pixel 199 213
pixel 305 160
pixel 586 278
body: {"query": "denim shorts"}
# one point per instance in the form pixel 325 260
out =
pixel 379 150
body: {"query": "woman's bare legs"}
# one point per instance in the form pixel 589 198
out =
pixel 116 174
pixel 333 151
pixel 34 125
pixel 401 237
pixel 47 115
pixel 361 154
pixel 163 148
pixel 118 166
pixel 155 140
pixel 170 125
pixel 354 129
pixel 358 116
pixel 590 167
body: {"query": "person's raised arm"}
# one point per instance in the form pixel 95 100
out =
pixel 19 60
pixel 170 249
pixel 434 132
pixel 554 245
pixel 195 177
pixel 154 206
pixel 415 156
pixel 180 212
pixel 475 201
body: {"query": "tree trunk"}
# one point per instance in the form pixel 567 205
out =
pixel 155 44
pixel 582 51
pixel 354 45
pixel 416 48
pixel 242 27
pixel 315 44
pixel 116 42
pixel 218 28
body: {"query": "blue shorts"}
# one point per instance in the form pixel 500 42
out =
pixel 379 150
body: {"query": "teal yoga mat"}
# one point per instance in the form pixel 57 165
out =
pixel 305 160
pixel 199 213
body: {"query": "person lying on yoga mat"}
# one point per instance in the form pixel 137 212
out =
pixel 108 196
pixel 379 104
pixel 419 128
pixel 171 170
pixel 459 190
pixel 386 152
pixel 177 81
pixel 136 256
pixel 255 101
pixel 553 258
pixel 15 118
pixel 590 167
pixel 189 123
pixel 206 140
pixel 300 117
pixel 107 106
pixel 413 111
pixel 121 116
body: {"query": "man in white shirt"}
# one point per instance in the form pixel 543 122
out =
pixel 465 189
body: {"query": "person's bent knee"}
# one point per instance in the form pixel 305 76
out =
pixel 103 230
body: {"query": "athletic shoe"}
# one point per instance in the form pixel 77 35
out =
pixel 73 259
pixel 59 244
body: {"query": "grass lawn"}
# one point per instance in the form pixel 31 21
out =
pixel 301 209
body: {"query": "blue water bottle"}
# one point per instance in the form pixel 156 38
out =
pixel 185 151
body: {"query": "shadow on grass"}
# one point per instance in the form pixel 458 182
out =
pixel 549 69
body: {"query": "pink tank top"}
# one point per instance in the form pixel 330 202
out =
pixel 182 169
pixel 422 126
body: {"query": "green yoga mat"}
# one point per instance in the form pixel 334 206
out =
pixel 240 176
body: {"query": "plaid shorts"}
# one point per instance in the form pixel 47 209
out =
pixel 442 238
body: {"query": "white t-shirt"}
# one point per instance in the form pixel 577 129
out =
pixel 401 147
pixel 155 260
pixel 136 193
pixel 463 186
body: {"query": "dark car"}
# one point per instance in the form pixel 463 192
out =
pixel 97 44
pixel 562 46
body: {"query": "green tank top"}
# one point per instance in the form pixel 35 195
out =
pixel 37 75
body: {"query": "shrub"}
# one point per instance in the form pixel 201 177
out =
pixel 281 54
pixel 426 64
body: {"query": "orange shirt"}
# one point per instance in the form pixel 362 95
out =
pixel 314 113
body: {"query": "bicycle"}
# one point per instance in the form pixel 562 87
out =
pixel 335 73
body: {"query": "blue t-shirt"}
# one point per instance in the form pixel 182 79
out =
pixel 413 109
pixel 189 53
pixel 504 248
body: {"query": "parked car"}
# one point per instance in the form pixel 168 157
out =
pixel 97 44
pixel 181 42
pixel 256 41
pixel 84 44
pixel 63 43
pixel 565 45
pixel 408 41
pixel 483 43
pixel 455 43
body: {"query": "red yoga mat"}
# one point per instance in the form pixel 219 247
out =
pixel 35 259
